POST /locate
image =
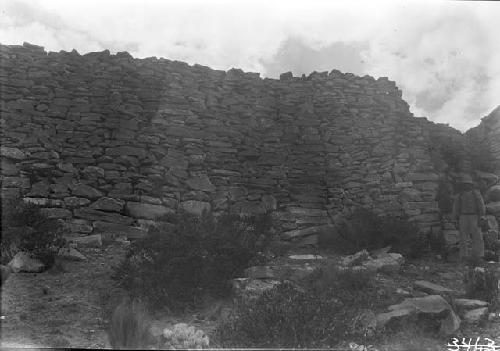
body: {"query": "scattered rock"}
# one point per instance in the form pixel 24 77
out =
pixel 470 303
pixel 356 259
pixel 183 336
pixel 22 262
pixel 72 254
pixel 389 263
pixel 431 288
pixel 475 315
pixel 94 240
pixel 432 305
pixel 306 257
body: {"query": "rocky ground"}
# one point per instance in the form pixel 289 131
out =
pixel 68 305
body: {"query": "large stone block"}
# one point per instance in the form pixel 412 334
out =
pixel 96 215
pixel 195 207
pixel 202 183
pixel 15 182
pixel 146 211
pixel 493 208
pixel 12 153
pixel 85 190
pixel 108 204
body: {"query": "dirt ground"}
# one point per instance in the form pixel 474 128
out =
pixel 68 308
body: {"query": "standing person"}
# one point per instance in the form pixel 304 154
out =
pixel 468 208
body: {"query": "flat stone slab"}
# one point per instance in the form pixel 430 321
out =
pixel 470 303
pixel 94 240
pixel 72 254
pixel 475 315
pixel 433 305
pixel 306 257
pixel 431 288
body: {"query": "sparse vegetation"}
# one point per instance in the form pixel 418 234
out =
pixel 186 257
pixel 129 327
pixel 26 228
pixel 482 283
pixel 324 311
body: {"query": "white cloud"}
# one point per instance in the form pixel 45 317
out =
pixel 443 55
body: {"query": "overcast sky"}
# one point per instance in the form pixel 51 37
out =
pixel 444 55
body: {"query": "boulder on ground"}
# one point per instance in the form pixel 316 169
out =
pixel 433 306
pixel 475 315
pixel 431 288
pixel 23 262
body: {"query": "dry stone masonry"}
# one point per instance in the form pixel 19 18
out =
pixel 108 143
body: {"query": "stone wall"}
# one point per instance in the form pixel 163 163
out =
pixel 108 142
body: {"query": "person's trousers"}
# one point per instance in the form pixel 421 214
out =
pixel 470 236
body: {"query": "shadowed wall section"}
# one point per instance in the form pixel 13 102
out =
pixel 108 142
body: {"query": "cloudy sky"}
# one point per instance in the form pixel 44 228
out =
pixel 444 55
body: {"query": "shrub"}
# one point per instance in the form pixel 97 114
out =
pixel 186 257
pixel 482 283
pixel 129 327
pixel 26 228
pixel 365 230
pixel 320 314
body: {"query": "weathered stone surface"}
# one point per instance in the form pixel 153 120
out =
pixel 475 315
pixel 202 183
pixel 22 262
pixel 469 303
pixel 108 204
pixel 12 153
pixel 71 253
pixel 96 215
pixel 43 201
pixel 306 257
pixel 147 211
pixel 15 182
pixel 79 226
pixel 195 207
pixel 493 208
pixel 492 194
pixel 84 190
pixel 389 263
pixel 431 288
pixel 297 233
pixel 94 240
pixel 56 212
pixel 432 305
pixel 130 232
pixel 73 201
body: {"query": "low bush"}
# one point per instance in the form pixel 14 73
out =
pixel 187 257
pixel 365 230
pixel 26 228
pixel 129 327
pixel 482 283
pixel 325 311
